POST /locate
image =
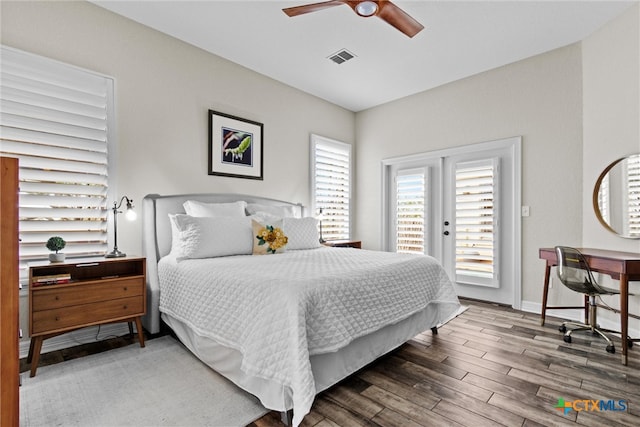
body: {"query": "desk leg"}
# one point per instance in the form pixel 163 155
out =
pixel 624 315
pixel 545 293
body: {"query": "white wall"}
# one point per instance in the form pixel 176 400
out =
pixel 539 98
pixel 577 109
pixel 611 109
pixel 164 89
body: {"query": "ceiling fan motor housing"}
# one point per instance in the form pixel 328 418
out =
pixel 366 8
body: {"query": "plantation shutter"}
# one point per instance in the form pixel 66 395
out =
pixel 411 188
pixel 55 119
pixel 476 222
pixel 633 195
pixel 603 199
pixel 331 187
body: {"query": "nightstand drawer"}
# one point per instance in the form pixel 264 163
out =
pixel 45 298
pixel 47 321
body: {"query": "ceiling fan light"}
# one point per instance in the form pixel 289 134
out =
pixel 366 8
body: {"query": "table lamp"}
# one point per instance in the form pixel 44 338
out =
pixel 130 215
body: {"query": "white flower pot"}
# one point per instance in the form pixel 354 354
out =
pixel 56 257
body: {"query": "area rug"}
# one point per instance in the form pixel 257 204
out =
pixel 162 384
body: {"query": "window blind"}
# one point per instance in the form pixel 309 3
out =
pixel 603 199
pixel 633 195
pixel 331 186
pixel 55 118
pixel 410 211
pixel 475 239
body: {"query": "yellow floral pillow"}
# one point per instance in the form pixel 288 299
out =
pixel 268 238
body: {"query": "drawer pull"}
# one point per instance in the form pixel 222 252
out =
pixel 57 318
pixel 125 288
pixel 89 264
pixel 57 298
pixel 125 307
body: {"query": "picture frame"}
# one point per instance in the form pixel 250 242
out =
pixel 235 146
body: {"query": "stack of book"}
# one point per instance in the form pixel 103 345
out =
pixel 52 279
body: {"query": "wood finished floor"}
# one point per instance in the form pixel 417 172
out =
pixel 490 366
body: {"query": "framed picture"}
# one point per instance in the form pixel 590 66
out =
pixel 235 146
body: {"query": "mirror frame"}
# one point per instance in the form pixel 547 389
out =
pixel 596 191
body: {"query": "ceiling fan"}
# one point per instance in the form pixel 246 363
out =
pixel 383 9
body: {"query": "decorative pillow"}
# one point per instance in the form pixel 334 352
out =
pixel 199 209
pixel 268 237
pixel 207 237
pixel 302 233
pixel 281 211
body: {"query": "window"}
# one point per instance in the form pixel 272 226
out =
pixel 475 213
pixel 603 199
pixel 331 186
pixel 633 195
pixel 56 119
pixel 410 211
pixel 471 220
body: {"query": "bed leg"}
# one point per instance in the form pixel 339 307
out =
pixel 434 330
pixel 287 417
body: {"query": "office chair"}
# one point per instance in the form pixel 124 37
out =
pixel 575 274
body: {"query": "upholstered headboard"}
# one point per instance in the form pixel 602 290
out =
pixel 156 236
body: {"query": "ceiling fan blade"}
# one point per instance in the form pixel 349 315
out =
pixel 398 18
pixel 308 8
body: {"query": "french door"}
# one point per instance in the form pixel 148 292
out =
pixel 461 206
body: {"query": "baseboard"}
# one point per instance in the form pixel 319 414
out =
pixel 567 314
pixel 577 315
pixel 77 337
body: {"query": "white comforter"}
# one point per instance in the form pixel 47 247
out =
pixel 277 310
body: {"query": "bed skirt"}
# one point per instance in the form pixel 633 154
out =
pixel 328 368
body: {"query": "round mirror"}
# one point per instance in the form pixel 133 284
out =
pixel 616 197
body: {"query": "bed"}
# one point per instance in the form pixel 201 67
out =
pixel 287 325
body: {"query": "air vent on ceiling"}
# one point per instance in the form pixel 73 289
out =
pixel 341 56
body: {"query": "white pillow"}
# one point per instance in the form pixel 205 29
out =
pixel 281 211
pixel 302 233
pixel 265 217
pixel 175 236
pixel 194 208
pixel 208 237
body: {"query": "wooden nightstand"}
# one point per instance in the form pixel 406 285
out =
pixel 344 243
pixel 84 292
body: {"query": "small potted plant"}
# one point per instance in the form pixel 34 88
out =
pixel 55 244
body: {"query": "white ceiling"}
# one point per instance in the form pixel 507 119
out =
pixel 460 39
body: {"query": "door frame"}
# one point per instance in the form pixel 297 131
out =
pixel 514 145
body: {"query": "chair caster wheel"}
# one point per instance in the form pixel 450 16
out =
pixel 567 339
pixel 611 349
pixel 629 343
pixel 562 328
